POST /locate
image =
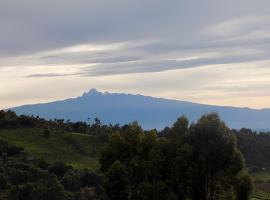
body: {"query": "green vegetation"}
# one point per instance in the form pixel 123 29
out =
pixel 256 148
pixel 22 178
pixel 198 162
pixel 78 150
pixel 258 194
pixel 80 161
pixel 261 176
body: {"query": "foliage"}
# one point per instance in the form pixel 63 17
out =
pixel 200 162
pixel 117 182
pixel 46 133
pixel 22 179
pixel 9 119
pixel 255 148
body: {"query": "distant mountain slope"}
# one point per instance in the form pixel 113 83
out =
pixel 148 111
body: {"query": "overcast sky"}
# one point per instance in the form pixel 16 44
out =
pixel 206 51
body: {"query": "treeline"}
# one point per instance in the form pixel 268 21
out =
pixel 9 119
pixel 256 148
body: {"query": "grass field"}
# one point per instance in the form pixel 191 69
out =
pixel 261 176
pixel 78 150
pixel 261 185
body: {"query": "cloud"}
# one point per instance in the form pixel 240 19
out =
pixel 147 57
pixel 246 27
pixel 47 75
pixel 30 26
pixel 108 44
pixel 164 65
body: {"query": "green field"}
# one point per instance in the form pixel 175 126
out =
pixel 261 185
pixel 261 176
pixel 78 150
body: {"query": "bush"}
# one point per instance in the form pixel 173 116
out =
pixel 46 133
pixel 59 169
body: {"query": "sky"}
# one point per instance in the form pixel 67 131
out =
pixel 207 51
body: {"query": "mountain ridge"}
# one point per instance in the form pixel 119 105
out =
pixel 150 112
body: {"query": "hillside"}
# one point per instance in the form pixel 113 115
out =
pixel 131 154
pixel 83 150
pixel 148 111
pixel 78 150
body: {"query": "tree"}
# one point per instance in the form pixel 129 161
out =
pixel 116 182
pixel 89 178
pixel 47 189
pixel 200 162
pixel 144 191
pixel 243 186
pixel 180 127
pixel 59 169
pixel 214 149
pixel 71 182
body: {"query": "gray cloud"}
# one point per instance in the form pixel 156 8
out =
pixel 106 64
pixel 152 57
pixel 29 26
pixel 84 41
pixel 164 65
pixel 46 75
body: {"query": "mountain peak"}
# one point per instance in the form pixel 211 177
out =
pixel 91 92
pixel 123 108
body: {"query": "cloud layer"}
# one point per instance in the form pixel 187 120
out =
pixel 90 42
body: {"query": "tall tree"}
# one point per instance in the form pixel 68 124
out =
pixel 215 155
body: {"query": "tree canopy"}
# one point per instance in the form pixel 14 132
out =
pixel 199 162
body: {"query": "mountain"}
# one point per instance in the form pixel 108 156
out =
pixel 150 112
